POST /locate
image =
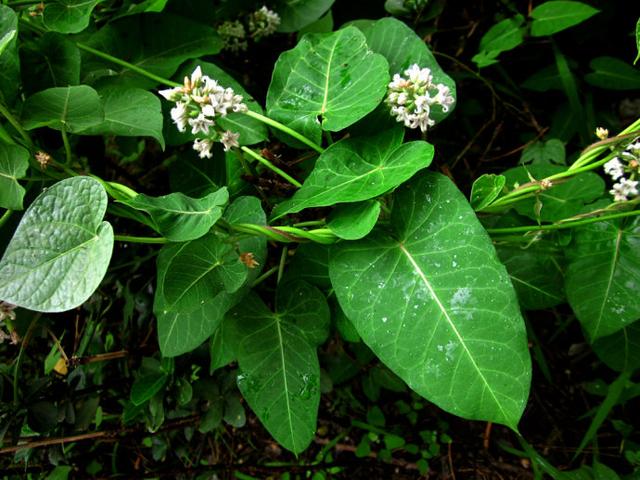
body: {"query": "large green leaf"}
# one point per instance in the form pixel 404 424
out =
pixel 181 218
pixel 296 14
pixel 14 162
pixel 68 16
pixel 327 82
pixel 156 42
pixel 505 35
pixel 192 175
pixel 555 16
pixel 251 130
pixel 9 61
pixel 311 263
pixel 613 74
pixel 621 350
pixel 358 169
pixel 61 249
pixel 200 280
pixel 429 296
pixel 129 112
pixel 50 61
pixel 603 277
pixel 280 373
pixel 402 47
pixel 562 199
pixel 73 109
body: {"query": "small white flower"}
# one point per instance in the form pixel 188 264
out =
pixel 602 133
pixel 263 23
pixel 634 148
pixel 614 168
pixel 233 35
pixel 200 124
pixel 172 94
pixel 623 189
pixel 229 139
pixel 203 147
pixel 179 115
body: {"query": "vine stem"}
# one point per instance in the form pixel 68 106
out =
pixel 561 226
pixel 15 124
pixel 170 83
pixel 286 234
pixel 5 216
pixel 67 146
pixel 134 239
pixel 271 166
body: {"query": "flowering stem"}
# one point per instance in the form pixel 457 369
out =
pixel 132 239
pixel 271 166
pixel 561 226
pixel 285 129
pixel 15 124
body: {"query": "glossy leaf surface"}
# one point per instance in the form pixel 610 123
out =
pixel 61 249
pixel 68 16
pixel 14 163
pixel 434 303
pixel 354 221
pixel 327 82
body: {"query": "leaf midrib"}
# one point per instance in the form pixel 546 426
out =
pixel 284 378
pixel 614 262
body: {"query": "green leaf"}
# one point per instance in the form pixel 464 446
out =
pixel 68 16
pixel 429 296
pixel 402 47
pixel 180 218
pixel 551 151
pixel 562 200
pixel 637 41
pixel 544 80
pixel 311 263
pixel 358 169
pixel 51 61
pixel 143 7
pixel 14 163
pixel 603 276
pixel 9 60
pixel 613 74
pixel 73 109
pixel 536 273
pixel 61 472
pixel 620 350
pixel 221 348
pixel 555 16
pixel 297 14
pixel 61 249
pixel 200 280
pixel 486 189
pixel 156 42
pixel 355 220
pixel 502 37
pixel 192 175
pixel 129 112
pixel 280 373
pixel 327 82
pixel 251 130
pixel 146 386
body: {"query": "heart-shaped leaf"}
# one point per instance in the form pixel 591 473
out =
pixel 358 169
pixel 327 82
pixel 72 109
pixel 61 249
pixel 429 296
pixel 50 61
pixel 68 16
pixel 602 277
pixel 14 163
pixel 181 218
pixel 354 221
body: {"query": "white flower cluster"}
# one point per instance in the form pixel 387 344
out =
pixel 234 36
pixel 412 98
pixel 627 162
pixel 199 101
pixel 263 22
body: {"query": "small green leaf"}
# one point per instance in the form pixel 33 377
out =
pixel 620 350
pixel 73 109
pixel 502 37
pixel 280 373
pixel 61 472
pixel 429 296
pixel 146 386
pixel 358 169
pixel 613 74
pixel 14 163
pixel 544 80
pixel 602 277
pixel 486 189
pixel 68 16
pixel 354 221
pixel 129 112
pixel 297 14
pixel 327 82
pixel 637 41
pixel 550 152
pixel 181 218
pixel 61 249
pixel 555 16
pixel 9 60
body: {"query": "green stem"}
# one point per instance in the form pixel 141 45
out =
pixel 561 226
pixel 285 129
pixel 271 166
pixel 5 216
pixel 283 261
pixel 23 346
pixel 264 276
pixel 133 239
pixel 286 234
pixel 15 124
pixel 67 146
